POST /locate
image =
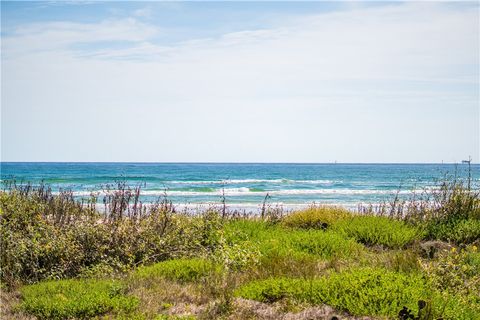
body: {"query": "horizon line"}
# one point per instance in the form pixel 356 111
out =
pixel 220 162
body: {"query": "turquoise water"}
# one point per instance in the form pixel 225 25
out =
pixel 245 185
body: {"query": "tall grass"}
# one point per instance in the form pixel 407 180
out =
pixel 448 212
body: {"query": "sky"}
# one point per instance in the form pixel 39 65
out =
pixel 240 81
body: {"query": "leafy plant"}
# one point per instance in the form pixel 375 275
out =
pixel 185 270
pixel 363 291
pixel 236 256
pixel 378 230
pixel 273 240
pixel 82 299
pixel 454 230
pixel 456 275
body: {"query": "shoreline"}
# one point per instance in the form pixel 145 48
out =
pixel 250 208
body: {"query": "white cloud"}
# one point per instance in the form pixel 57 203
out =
pixel 380 81
pixel 60 36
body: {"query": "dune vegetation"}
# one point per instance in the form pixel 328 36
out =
pixel 68 258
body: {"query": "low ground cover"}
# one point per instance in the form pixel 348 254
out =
pixel 365 291
pixel 184 270
pixel 378 230
pixel 65 299
pixel 316 217
pixel 278 240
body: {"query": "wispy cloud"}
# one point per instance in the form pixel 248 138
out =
pixel 357 69
pixel 409 39
pixel 58 37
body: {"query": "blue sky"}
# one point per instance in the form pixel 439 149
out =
pixel 240 81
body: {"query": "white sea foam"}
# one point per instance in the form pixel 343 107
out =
pixel 317 181
pixel 247 191
pixel 240 181
pixel 226 181
pixel 243 191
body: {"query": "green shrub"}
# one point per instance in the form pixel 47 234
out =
pixel 49 236
pixel 109 268
pixel 363 291
pixel 366 292
pixel 185 270
pixel 240 230
pixel 399 260
pixel 457 306
pixel 377 230
pixel 472 258
pixel 235 256
pixel 405 261
pixel 275 241
pixel 82 299
pixel 373 291
pixel 315 217
pixel 456 274
pixel 31 248
pixel 322 244
pixel 454 230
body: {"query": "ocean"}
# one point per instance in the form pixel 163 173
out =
pixel 245 185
